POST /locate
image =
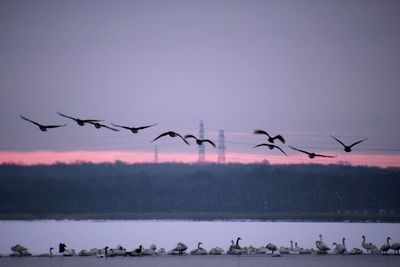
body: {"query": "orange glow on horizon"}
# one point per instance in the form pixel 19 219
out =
pixel 50 157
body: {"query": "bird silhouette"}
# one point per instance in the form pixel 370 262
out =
pixel 171 134
pixel 99 125
pixel 348 148
pixel 311 155
pixel 200 141
pixel 79 121
pixel 134 129
pixel 42 127
pixel 271 146
pixel 271 139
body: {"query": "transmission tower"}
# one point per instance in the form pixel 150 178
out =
pixel 201 147
pixel 221 147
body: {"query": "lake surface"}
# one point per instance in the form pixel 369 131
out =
pixel 38 236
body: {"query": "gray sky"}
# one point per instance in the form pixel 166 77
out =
pixel 301 68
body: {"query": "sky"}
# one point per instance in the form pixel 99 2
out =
pixel 303 69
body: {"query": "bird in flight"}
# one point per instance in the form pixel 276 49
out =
pixel 134 129
pixel 200 141
pixel 42 127
pixel 99 125
pixel 311 155
pixel 171 134
pixel 271 146
pixel 79 121
pixel 271 139
pixel 348 148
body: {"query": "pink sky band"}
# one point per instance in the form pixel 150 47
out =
pixel 50 157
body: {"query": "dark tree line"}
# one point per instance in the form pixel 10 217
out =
pixel 210 188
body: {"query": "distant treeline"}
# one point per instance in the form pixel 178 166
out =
pixel 199 191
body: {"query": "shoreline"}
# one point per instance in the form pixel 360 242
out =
pixel 314 217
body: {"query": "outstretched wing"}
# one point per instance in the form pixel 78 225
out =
pixel 108 127
pixel 190 136
pixel 31 121
pixel 65 116
pixel 281 150
pixel 338 141
pixel 55 126
pixel 261 145
pixel 144 127
pixel 161 135
pixel 324 156
pixel 184 140
pixel 280 138
pixel 209 141
pixel 90 121
pixel 358 142
pixel 261 132
pixel 121 126
pixel 303 151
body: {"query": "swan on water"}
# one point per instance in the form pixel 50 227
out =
pixel 69 253
pixel 385 247
pixel 340 248
pixel 369 246
pixel 179 249
pixel 199 250
pixel 216 251
pixel 150 251
pixel 395 247
pixel 50 254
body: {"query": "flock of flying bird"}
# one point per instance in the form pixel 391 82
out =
pixel 234 249
pixel 270 144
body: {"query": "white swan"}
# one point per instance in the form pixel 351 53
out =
pixel 385 247
pixel 161 251
pixel 150 251
pixel 199 250
pixel 179 249
pixel 340 248
pixel 271 247
pixel 322 247
pixel 50 254
pixel 356 251
pixel 369 246
pixel 216 251
pixel 395 247
pixel 102 253
pixel 69 253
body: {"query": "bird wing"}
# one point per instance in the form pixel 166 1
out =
pixel 63 115
pixel 358 142
pixel 324 156
pixel 281 150
pixel 90 120
pixel 161 135
pixel 303 151
pixel 25 118
pixel 184 140
pixel 190 136
pixel 280 138
pixel 338 141
pixel 55 126
pixel 261 145
pixel 108 127
pixel 144 127
pixel 121 126
pixel 209 141
pixel 261 132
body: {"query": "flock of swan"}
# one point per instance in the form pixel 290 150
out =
pixel 234 249
pixel 269 138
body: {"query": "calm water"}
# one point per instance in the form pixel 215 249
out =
pixel 38 236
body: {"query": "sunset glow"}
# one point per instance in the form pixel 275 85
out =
pixel 51 157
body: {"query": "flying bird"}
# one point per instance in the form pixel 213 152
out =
pixel 99 125
pixel 134 129
pixel 171 134
pixel 200 141
pixel 271 139
pixel 79 121
pixel 42 127
pixel 348 148
pixel 271 146
pixel 311 155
